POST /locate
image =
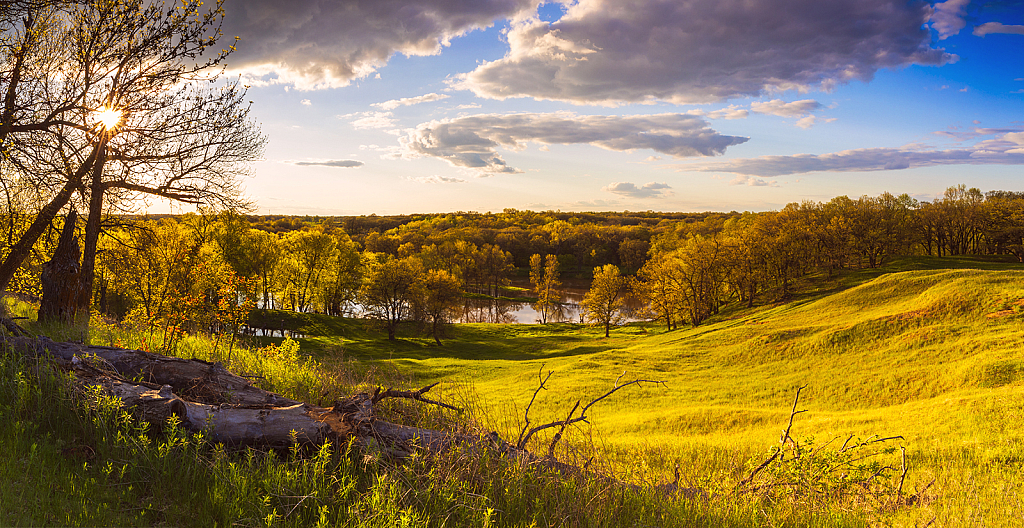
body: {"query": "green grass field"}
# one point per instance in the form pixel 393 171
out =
pixel 927 349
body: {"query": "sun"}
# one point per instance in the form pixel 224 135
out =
pixel 109 117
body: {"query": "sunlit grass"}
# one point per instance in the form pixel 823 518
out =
pixel 928 353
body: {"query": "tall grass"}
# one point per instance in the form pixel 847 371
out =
pixel 73 457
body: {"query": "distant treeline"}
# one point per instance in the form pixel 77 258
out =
pixel 687 265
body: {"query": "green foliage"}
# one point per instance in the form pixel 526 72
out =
pixel 603 303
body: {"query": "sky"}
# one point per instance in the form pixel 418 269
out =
pixel 419 106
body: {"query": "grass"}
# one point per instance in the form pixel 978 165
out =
pixel 929 349
pixel 926 348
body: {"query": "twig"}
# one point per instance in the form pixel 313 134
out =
pixel 558 435
pixel 778 452
pixel 583 414
pixel 526 417
pixel 792 415
pixel 903 462
pixel 417 395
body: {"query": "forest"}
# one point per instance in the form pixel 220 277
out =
pixel 206 270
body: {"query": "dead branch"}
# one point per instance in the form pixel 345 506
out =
pixel 417 395
pixel 778 452
pixel 583 414
pixel 526 417
pixel 785 435
pixel 558 435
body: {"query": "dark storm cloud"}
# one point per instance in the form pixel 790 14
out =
pixel 702 51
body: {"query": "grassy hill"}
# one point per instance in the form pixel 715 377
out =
pixel 928 349
pixel 934 354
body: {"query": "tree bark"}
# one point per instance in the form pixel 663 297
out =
pixel 60 277
pixel 92 226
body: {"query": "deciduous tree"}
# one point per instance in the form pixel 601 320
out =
pixel 604 302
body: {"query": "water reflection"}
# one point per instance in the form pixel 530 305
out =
pixel 511 312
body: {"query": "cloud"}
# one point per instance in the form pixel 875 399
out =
pixel 437 179
pixel 467 106
pixel 314 44
pixel 810 121
pixel 338 164
pixel 751 181
pixel 729 112
pixel 374 120
pixel 996 27
pixel 648 190
pixel 306 102
pixel 703 51
pixel 1006 149
pixel 406 101
pixel 778 107
pixel 471 142
pixel 651 159
pixel 947 18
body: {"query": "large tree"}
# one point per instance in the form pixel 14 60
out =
pixel 171 127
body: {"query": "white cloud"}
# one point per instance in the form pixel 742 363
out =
pixel 778 107
pixel 729 112
pixel 467 106
pixel 374 120
pixel 947 18
pixel 647 190
pixel 751 181
pixel 437 179
pixel 314 44
pixel 472 141
pixel 703 51
pixel 996 27
pixel 406 101
pixel 810 121
pixel 1006 149
pixel 650 159
pixel 337 164
pixel 306 102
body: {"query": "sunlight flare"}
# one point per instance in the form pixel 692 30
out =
pixel 109 117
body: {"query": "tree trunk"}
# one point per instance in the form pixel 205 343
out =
pixel 92 227
pixel 21 249
pixel 60 277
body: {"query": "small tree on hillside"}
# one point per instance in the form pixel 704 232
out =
pixel 544 276
pixel 388 290
pixel 604 302
pixel 438 296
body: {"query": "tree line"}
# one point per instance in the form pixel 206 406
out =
pixel 697 268
pixel 208 266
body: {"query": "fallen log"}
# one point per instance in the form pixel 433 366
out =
pixel 229 409
pixel 193 379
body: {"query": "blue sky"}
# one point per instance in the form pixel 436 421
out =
pixel 401 106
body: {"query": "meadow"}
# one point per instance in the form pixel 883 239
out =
pixel 927 349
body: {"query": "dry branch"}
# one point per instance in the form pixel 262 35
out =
pixel 583 414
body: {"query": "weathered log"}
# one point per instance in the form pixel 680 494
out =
pixel 231 424
pixel 193 379
pixel 205 397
